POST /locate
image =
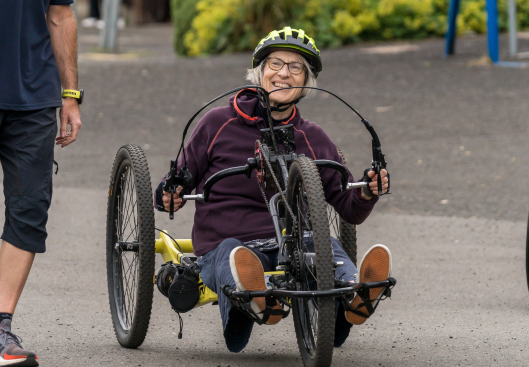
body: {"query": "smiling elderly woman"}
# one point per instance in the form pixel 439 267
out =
pixel 232 232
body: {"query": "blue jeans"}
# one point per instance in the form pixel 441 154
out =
pixel 215 271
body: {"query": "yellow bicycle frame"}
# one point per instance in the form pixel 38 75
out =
pixel 169 251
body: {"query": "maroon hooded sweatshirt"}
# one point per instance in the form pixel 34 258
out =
pixel 225 137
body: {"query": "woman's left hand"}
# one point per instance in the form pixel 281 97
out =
pixel 373 184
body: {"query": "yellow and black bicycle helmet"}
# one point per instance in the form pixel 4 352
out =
pixel 293 39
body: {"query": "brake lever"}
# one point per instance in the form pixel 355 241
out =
pixel 377 165
pixel 171 203
pixel 182 178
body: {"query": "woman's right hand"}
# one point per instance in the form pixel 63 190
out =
pixel 176 197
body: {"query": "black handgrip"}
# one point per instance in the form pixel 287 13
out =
pixel 379 179
pixel 171 203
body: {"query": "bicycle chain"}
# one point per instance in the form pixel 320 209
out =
pixel 265 158
pixel 264 195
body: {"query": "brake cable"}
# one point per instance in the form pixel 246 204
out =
pixel 378 162
pixel 184 177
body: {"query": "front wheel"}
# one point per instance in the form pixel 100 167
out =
pixel 314 318
pixel 130 246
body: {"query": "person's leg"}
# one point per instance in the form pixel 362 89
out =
pixel 345 272
pixel 27 140
pixel 94 9
pixel 215 272
pixel 15 265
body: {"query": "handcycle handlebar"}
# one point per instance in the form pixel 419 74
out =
pixel 325 163
pixel 356 185
pixel 198 197
pixel 233 171
pixel 251 165
pixel 203 197
pixel 285 293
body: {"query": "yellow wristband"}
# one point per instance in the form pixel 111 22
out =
pixel 77 94
pixel 71 93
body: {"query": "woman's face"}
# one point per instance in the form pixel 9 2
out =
pixel 277 79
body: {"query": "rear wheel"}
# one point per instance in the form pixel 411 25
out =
pixel 346 233
pixel 314 318
pixel 343 232
pixel 130 246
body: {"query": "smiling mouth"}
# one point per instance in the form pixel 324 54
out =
pixel 280 85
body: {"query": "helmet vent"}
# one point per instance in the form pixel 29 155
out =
pixel 296 40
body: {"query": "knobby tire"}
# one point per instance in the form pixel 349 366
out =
pixel 130 218
pixel 314 330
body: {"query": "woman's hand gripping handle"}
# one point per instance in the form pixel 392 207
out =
pixel 377 183
pixel 174 188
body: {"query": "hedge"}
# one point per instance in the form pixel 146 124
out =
pixel 216 26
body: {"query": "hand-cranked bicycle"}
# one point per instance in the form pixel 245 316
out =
pixel 304 279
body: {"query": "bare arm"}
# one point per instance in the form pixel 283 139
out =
pixel 63 32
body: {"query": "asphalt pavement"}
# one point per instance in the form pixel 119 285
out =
pixel 454 132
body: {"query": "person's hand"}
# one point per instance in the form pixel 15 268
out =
pixel 69 115
pixel 373 184
pixel 177 199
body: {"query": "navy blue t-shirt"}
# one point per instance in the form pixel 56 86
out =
pixel 29 78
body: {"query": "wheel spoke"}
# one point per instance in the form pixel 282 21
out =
pixel 333 221
pixel 130 206
pixel 126 267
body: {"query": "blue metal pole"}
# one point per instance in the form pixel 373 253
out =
pixel 492 30
pixel 451 32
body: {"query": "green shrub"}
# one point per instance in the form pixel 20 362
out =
pixel 215 26
pixel 183 13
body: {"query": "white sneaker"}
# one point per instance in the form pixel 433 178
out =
pixel 121 23
pixel 89 22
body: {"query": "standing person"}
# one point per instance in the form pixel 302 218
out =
pixel 38 53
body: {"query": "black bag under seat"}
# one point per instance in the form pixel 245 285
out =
pixel 179 284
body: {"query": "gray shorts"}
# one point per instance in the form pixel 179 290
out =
pixel 27 140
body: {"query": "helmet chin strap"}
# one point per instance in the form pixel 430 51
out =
pixel 282 107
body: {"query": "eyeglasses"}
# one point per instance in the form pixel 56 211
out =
pixel 276 64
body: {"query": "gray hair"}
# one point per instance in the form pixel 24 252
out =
pixel 255 76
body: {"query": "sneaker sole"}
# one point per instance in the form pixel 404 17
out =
pixel 375 267
pixel 25 362
pixel 248 273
